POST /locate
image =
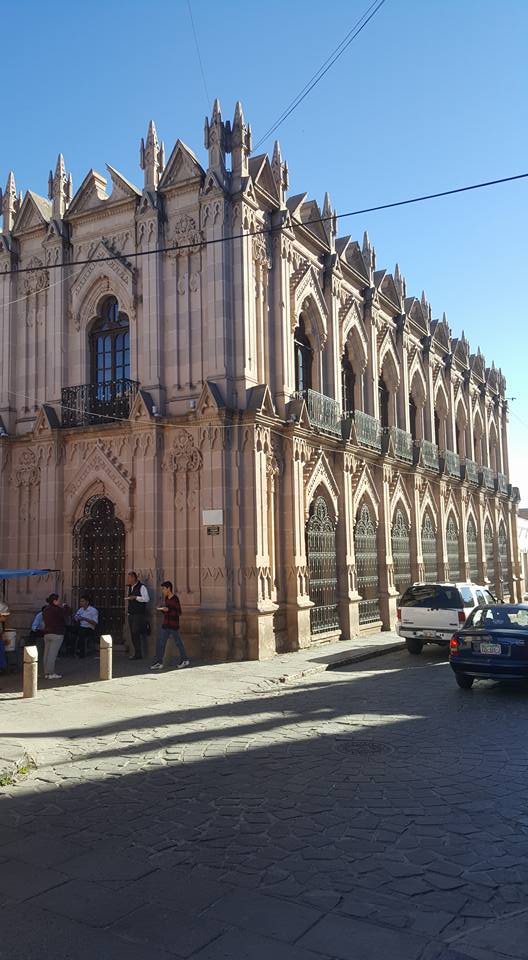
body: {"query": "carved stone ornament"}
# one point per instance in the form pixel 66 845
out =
pixel 185 237
pixel 184 456
pixel 27 471
pixel 261 252
pixel 38 278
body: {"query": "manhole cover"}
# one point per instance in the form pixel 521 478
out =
pixel 361 748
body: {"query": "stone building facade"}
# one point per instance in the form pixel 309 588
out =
pixel 201 381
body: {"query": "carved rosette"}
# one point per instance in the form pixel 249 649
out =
pixel 184 456
pixel 185 237
pixel 38 278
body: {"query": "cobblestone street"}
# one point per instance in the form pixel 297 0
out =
pixel 372 811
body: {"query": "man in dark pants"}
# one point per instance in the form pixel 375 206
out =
pixel 136 600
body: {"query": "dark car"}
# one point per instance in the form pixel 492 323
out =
pixel 493 645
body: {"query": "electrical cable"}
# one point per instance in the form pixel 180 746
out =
pixel 268 230
pixel 324 68
pixel 197 45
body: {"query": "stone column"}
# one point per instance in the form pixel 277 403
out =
pixel 298 599
pixel 346 560
pixel 388 595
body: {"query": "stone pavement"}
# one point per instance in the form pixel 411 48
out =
pixel 372 810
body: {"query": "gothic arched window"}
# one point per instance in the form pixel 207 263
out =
pixel 348 379
pixel 303 358
pixel 384 402
pixel 110 344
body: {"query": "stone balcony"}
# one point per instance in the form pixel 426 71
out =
pixel 471 471
pixel 430 455
pixel 368 430
pixel 487 478
pixel 401 442
pixel 502 483
pixel 92 403
pixel 451 463
pixel 323 412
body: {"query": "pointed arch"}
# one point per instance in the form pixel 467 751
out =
pixel 441 401
pixel 418 388
pixel 389 363
pixel 366 488
pixel 307 298
pixel 429 503
pixel 357 344
pixel 322 477
pixel 399 499
pixel 98 281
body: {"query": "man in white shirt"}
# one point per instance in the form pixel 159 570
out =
pixel 136 600
pixel 87 617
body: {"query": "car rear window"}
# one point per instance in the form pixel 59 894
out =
pixel 467 596
pixel 432 595
pixel 499 618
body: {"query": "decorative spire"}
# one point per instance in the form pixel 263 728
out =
pixel 60 189
pixel 240 144
pixel 279 169
pixel 10 203
pixel 329 221
pixel 216 135
pixel 152 158
pixel 369 253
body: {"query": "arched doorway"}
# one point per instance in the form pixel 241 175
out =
pixel 366 547
pixel 322 568
pixel 401 552
pixel 99 563
pixel 429 549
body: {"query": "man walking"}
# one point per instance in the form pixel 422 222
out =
pixel 136 600
pixel 170 628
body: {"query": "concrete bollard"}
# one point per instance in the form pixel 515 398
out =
pixel 30 671
pixel 105 657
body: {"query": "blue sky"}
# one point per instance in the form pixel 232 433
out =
pixel 432 95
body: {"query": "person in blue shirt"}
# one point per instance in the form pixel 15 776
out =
pixel 88 618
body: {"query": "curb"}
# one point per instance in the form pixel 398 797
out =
pixel 344 661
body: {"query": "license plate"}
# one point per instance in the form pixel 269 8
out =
pixel 490 649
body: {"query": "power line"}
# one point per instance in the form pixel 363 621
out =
pixel 267 230
pixel 197 45
pixel 325 67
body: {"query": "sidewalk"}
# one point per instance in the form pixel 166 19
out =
pixel 81 707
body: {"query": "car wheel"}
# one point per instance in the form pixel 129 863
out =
pixel 464 682
pixel 414 646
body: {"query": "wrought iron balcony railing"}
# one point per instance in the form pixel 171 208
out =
pixel 502 483
pixel 402 443
pixel 430 455
pixel 471 471
pixel 488 478
pixel 452 463
pixel 91 403
pixel 368 430
pixel 323 412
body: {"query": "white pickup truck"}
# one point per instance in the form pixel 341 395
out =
pixel 432 612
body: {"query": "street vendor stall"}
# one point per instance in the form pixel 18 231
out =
pixel 8 637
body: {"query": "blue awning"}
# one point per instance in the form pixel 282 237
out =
pixel 12 574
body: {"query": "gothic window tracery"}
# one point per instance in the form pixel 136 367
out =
pixel 453 553
pixel 110 345
pixel 429 548
pixel 303 358
pixel 401 552
pixel 366 548
pixel 472 550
